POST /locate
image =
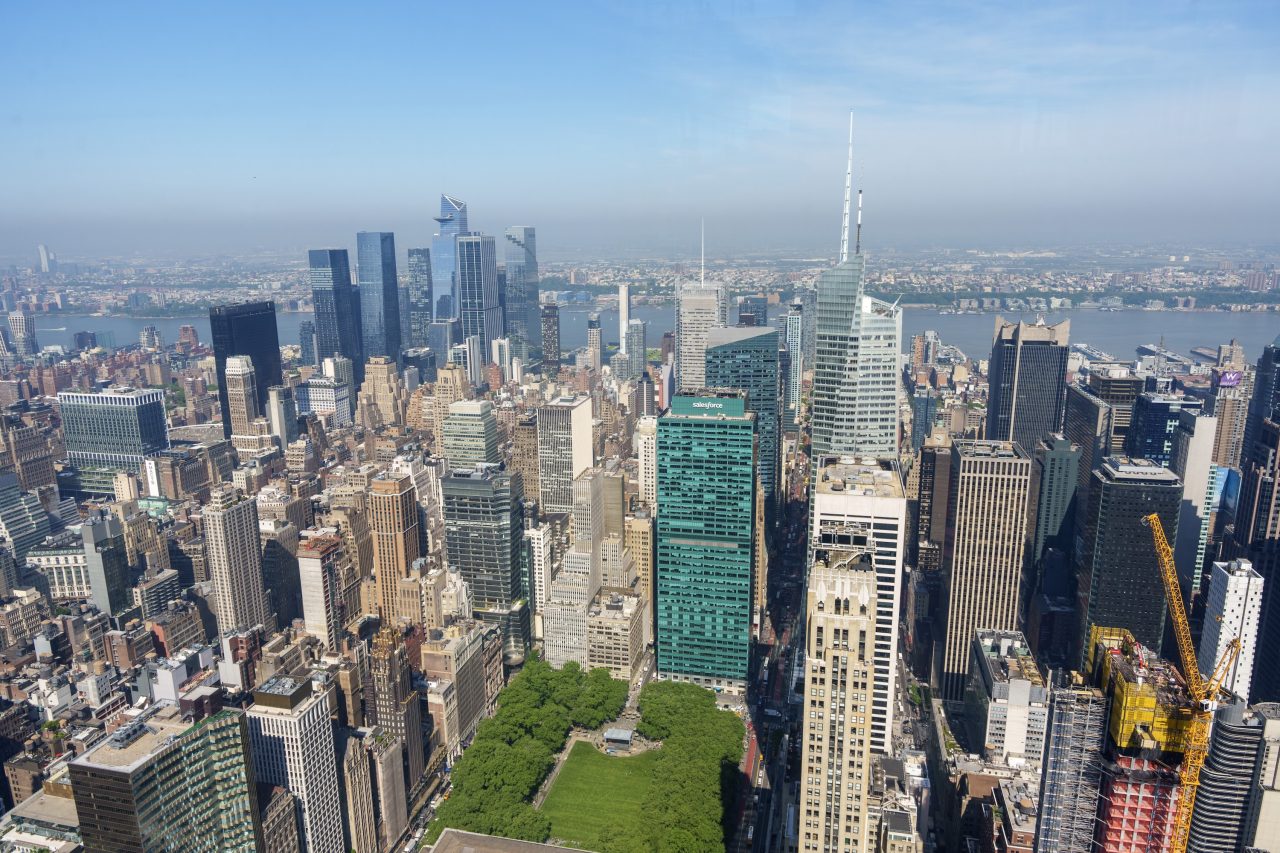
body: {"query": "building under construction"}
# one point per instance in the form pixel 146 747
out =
pixel 1148 727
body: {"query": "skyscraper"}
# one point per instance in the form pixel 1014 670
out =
pixel 1266 392
pixel 1226 812
pixel 337 312
pixel 1154 422
pixel 235 561
pixel 22 328
pixel 451 222
pixel 1056 466
pixel 282 414
pixel 393 520
pixel 746 358
pixel 837 746
pixel 854 403
pixel 291 740
pixel 1027 375
pixel 1231 389
pixel 983 551
pixel 793 331
pixel 395 705
pixel 112 430
pixel 471 434
pixel 322 565
pixel 551 338
pixel 753 311
pixel 564 450
pixel 637 349
pixel 307 342
pixel 647 456
pixel 240 391
pixel 1257 537
pixel 520 313
pixel 421 293
pixel 862 505
pixel 106 564
pixel 248 329
pixel 379 293
pixel 705 539
pixel 1116 566
pixel 1233 611
pixel 701 308
pixel 624 315
pixel 166 782
pixel 595 342
pixel 477 276
pixel 1071 777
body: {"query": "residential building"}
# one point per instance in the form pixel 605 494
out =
pixel 379 294
pixel 551 353
pixel 520 311
pixel 1226 806
pixel 421 295
pixel 323 563
pixel 1233 610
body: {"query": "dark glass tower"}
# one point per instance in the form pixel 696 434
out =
pixel 1155 421
pixel 520 311
pixel 307 341
pixel 421 293
pixel 1117 576
pixel 245 329
pixel 550 338
pixel 336 307
pixel 1266 392
pixel 746 359
pixel 1026 378
pixel 379 294
pixel 753 311
pixel 477 276
pixel 451 222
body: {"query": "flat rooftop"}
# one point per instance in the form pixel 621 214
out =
pixel 129 746
pixel 457 841
pixel 870 477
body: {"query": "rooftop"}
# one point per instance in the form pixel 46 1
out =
pixel 869 476
pixel 132 744
pixel 457 841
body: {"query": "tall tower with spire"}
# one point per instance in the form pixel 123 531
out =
pixel 855 371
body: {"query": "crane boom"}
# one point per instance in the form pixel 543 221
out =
pixel 1204 694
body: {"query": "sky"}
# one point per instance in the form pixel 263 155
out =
pixel 162 129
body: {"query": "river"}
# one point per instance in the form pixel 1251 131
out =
pixel 1116 332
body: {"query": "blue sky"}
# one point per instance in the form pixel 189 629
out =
pixel 613 127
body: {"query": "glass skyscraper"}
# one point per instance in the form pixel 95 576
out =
pixel 746 358
pixel 421 291
pixel 451 222
pixel 550 338
pixel 379 293
pixel 245 329
pixel 477 277
pixel 705 536
pixel 521 305
pixel 337 312
pixel 307 341
pixel 1027 379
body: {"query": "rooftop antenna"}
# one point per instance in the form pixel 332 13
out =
pixel 702 281
pixel 857 241
pixel 848 197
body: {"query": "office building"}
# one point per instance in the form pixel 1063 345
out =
pixel 22 331
pixel 477 293
pixel 983 551
pixel 247 329
pixel 565 450
pixel 484 536
pixel 863 504
pixel 1233 610
pixel 235 561
pixel 1154 422
pixel 624 317
pixel 746 358
pixel 793 330
pixel 164 781
pixel 451 222
pixel 1056 468
pixel 395 705
pixel 1266 393
pixel 240 387
pixel 379 294
pixel 1203 481
pixel 106 564
pixel 337 313
pixel 1026 378
pixel 470 435
pixel 551 353
pixel 393 521
pixel 282 414
pixel 705 538
pixel 112 430
pixel 1007 700
pixel 383 400
pixel 291 739
pixel 420 298
pixel 1087 425
pixel 323 564
pixel 23 522
pixel 1116 565
pixel 1118 387
pixel 753 311
pixel 700 309
pixel 573 589
pixel 521 306
pixel 1071 775
pixel 1263 833
pixel 836 744
pixel 1256 537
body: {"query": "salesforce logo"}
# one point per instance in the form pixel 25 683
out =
pixel 704 405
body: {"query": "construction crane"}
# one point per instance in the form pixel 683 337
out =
pixel 1204 693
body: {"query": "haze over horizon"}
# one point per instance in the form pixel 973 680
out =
pixel 615 129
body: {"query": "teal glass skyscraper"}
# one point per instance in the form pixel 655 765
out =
pixel 706 492
pixel 521 316
pixel 379 293
pixel 746 358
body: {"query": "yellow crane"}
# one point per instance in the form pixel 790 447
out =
pixel 1204 693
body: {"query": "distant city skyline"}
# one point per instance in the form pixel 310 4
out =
pixel 976 125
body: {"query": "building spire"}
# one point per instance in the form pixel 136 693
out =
pixel 702 280
pixel 848 197
pixel 857 234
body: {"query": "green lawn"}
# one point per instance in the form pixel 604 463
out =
pixel 596 792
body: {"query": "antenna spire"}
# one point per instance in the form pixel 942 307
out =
pixel 702 280
pixel 848 190
pixel 857 239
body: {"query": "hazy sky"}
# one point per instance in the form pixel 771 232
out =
pixel 202 128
